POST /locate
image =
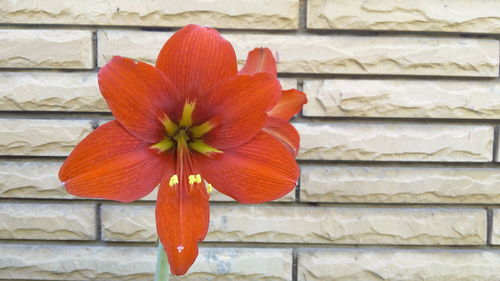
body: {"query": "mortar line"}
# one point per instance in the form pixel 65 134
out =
pixel 495 144
pixel 356 32
pixel 295 264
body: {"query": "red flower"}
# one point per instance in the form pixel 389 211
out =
pixel 189 123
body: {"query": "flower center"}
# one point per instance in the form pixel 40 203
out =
pixel 184 135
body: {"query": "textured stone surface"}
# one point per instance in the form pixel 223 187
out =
pixel 445 15
pixel 41 137
pixel 400 265
pixel 54 48
pixel 312 225
pixel 138 263
pixel 31 180
pixel 495 235
pixel 257 14
pixel 385 142
pixel 399 184
pixel 50 91
pixel 403 98
pixel 335 54
pixel 47 221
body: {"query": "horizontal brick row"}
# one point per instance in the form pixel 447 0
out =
pixel 280 224
pixel 338 141
pixel 41 137
pixel 255 14
pixel 383 142
pixel 45 48
pixel 57 262
pixel 445 15
pixel 400 264
pixel 328 183
pixel 60 91
pixel 334 54
pixel 318 184
pixel 403 98
pixel 39 221
pixel 39 180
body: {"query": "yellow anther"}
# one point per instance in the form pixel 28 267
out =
pixel 194 179
pixel 187 115
pixel 163 145
pixel 173 180
pixel 210 188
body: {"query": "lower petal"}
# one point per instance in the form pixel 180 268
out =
pixel 182 216
pixel 112 164
pixel 259 171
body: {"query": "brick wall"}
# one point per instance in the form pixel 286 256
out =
pixel 399 180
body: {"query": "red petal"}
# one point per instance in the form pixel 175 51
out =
pixel 283 131
pixel 112 164
pixel 258 171
pixel 138 95
pixel 182 216
pixel 260 60
pixel 289 104
pixel 197 58
pixel 240 105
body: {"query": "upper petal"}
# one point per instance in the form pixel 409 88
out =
pixel 197 58
pixel 182 216
pixel 289 104
pixel 260 60
pixel 258 171
pixel 238 107
pixel 112 164
pixel 138 95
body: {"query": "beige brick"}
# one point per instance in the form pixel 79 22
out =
pixel 138 263
pixel 495 236
pixel 392 265
pixel 45 48
pixel 335 54
pixel 445 15
pixel 388 142
pixel 403 98
pixel 31 180
pixel 254 14
pixel 50 91
pixel 399 184
pixel 47 221
pixel 312 225
pixel 41 137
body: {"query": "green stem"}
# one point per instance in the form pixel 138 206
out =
pixel 162 267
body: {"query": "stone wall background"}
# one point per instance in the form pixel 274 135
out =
pixel 399 180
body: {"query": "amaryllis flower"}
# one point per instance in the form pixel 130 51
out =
pixel 191 123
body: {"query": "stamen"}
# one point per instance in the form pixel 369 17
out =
pixel 173 180
pixel 194 179
pixel 210 188
pixel 200 130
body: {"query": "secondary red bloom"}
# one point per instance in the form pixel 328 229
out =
pixel 190 123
